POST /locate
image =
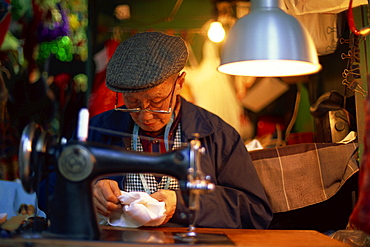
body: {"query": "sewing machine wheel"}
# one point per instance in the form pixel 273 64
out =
pixel 32 143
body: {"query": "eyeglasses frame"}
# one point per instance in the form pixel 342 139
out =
pixel 138 110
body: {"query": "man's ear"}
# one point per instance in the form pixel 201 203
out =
pixel 181 79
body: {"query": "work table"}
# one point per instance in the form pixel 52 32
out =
pixel 112 236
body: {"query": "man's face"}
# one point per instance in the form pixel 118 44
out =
pixel 157 98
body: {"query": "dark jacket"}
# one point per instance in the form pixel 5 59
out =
pixel 239 200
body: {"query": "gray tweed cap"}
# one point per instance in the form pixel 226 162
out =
pixel 144 61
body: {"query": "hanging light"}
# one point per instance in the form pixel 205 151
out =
pixel 216 32
pixel 268 42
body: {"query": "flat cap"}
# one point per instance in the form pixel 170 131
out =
pixel 144 61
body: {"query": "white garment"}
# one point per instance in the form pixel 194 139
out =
pixel 323 30
pixel 253 145
pixel 213 90
pixel 139 209
pixel 299 7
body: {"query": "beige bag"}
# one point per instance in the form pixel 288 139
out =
pixel 299 7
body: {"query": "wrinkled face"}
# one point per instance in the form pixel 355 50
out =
pixel 161 97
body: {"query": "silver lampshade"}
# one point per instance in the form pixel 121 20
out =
pixel 268 42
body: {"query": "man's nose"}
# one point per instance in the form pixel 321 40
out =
pixel 145 115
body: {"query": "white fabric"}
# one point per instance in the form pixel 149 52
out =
pixel 139 209
pixel 299 7
pixel 323 30
pixel 253 145
pixel 213 90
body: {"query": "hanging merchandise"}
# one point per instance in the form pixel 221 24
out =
pixel 21 9
pixel 62 82
pixel 101 98
pixel 62 48
pixel 323 30
pixel 4 9
pixel 8 135
pixel 53 34
pixel 4 19
pixel 54 24
pixel 78 25
pixel 10 43
pixel 213 90
pixel 299 7
pixel 352 74
pixel 63 33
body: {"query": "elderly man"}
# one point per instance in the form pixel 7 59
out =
pixel 147 70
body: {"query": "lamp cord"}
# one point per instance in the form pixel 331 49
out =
pixel 295 113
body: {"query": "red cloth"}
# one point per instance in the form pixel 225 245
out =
pixel 4 26
pixel 62 82
pixel 101 98
pixel 30 36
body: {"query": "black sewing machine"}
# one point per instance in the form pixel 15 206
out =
pixel 72 214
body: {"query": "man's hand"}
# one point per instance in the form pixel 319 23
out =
pixel 105 194
pixel 169 198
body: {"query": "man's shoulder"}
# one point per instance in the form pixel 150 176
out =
pixel 206 114
pixel 109 124
pixel 111 119
pixel 202 120
pixel 101 116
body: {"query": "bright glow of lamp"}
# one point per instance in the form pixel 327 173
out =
pixel 268 42
pixel 216 33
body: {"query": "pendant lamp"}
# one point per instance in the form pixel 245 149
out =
pixel 268 42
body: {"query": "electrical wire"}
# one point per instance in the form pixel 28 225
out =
pixel 122 134
pixel 295 112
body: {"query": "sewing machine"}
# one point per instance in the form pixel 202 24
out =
pixel 79 163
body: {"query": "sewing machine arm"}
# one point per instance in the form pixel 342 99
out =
pixel 80 163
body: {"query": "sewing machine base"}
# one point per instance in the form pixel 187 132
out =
pixel 161 237
pixel 145 236
pixel 238 237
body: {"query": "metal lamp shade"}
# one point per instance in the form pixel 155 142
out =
pixel 268 42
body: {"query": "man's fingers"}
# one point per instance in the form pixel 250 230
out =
pixel 110 196
pixel 109 190
pixel 98 195
pixel 105 197
pixel 169 197
pixel 107 208
pixel 100 208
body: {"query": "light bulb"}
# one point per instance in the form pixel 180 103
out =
pixel 216 33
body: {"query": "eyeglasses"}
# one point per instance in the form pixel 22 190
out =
pixel 138 109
